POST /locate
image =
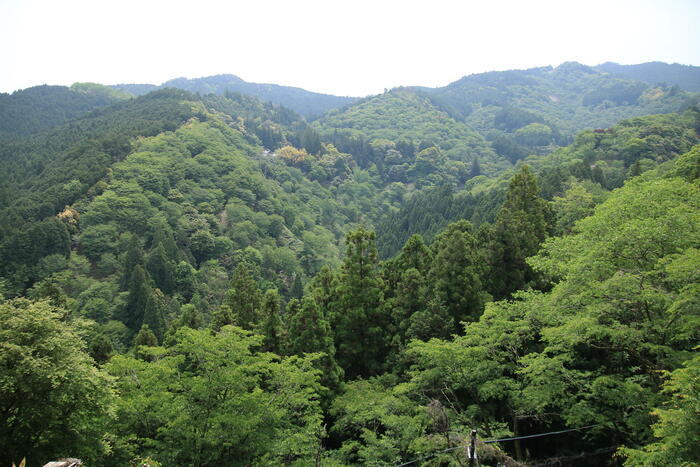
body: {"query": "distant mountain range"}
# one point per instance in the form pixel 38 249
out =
pixel 686 77
pixel 306 103
pixel 565 99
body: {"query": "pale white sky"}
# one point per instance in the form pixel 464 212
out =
pixel 353 47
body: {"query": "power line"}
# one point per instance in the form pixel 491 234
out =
pixel 491 441
pixel 540 434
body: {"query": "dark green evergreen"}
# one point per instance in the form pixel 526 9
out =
pixel 244 298
pixel 519 230
pixel 455 275
pixel 139 300
pixel 271 328
pixel 161 269
pixel 357 319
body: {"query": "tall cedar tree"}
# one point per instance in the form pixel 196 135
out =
pixel 132 258
pixel 414 255
pixel 324 289
pixel 520 229
pixel 358 321
pixel 272 322
pixel 310 332
pixel 139 297
pixel 153 314
pixel 455 273
pixel 161 268
pixel 243 298
pixel 164 236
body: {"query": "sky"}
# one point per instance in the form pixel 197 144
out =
pixel 353 47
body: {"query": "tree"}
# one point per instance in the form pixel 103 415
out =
pixel 455 274
pixel 297 288
pixel 140 298
pixel 185 280
pixel 161 269
pixel 190 317
pixel 576 204
pixel 309 332
pixel 145 337
pixel 433 321
pixel 358 322
pixel 520 229
pixel 164 236
pixel 132 258
pixel 215 400
pixel 153 314
pixel 54 402
pixel 222 317
pixel 475 169
pixel 271 327
pixel 243 298
pixel 678 428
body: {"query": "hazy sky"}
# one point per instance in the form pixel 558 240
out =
pixel 352 47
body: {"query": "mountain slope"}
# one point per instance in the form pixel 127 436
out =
pixel 300 100
pixel 410 117
pixel 41 107
pixel 568 98
pixel 687 77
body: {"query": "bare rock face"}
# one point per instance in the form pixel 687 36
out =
pixel 65 463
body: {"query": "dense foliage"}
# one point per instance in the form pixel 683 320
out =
pixel 300 100
pixel 191 280
pixel 684 76
pixel 42 107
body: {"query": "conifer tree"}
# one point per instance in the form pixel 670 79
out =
pixel 221 317
pixel 243 298
pixel 190 317
pixel 519 230
pixel 324 289
pixel 185 281
pixel 132 258
pixel 432 322
pixel 415 254
pixel 475 169
pixel 145 337
pixel 410 298
pixel 358 322
pixel 310 332
pixel 272 322
pixel 153 314
pixel 455 273
pixel 139 296
pixel 161 269
pixel 164 236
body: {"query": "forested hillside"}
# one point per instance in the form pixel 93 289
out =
pixel 686 77
pixel 305 102
pixel 42 107
pixel 211 279
pixel 568 98
pixel 596 162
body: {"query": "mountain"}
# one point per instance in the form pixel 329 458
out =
pixel 307 103
pixel 41 107
pixel 602 160
pixel 409 118
pixel 686 77
pixel 568 99
pixel 488 121
pixel 178 269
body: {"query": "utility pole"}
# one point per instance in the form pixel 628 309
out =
pixel 472 450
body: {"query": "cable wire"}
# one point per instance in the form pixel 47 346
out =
pixel 491 441
pixel 540 434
